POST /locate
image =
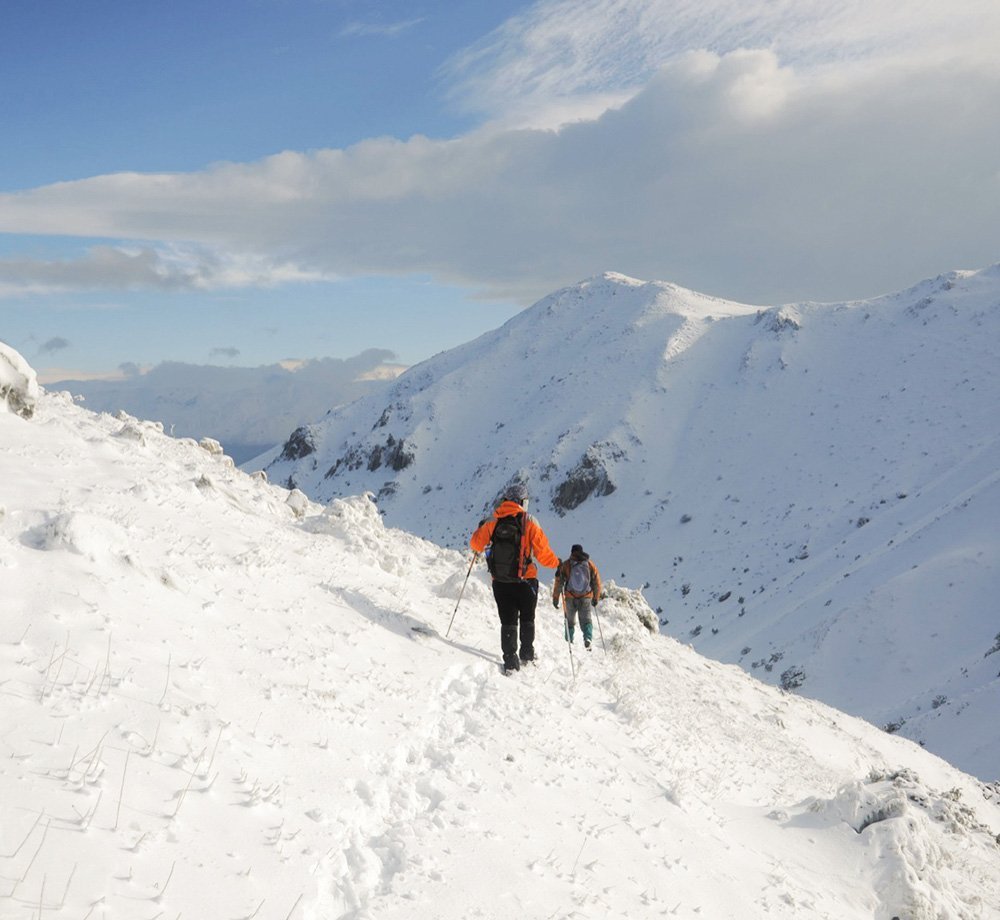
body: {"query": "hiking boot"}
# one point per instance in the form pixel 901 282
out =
pixel 513 665
pixel 586 644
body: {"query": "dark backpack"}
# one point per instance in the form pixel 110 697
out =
pixel 578 581
pixel 504 560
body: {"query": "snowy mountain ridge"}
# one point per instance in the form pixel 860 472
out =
pixel 216 705
pixel 808 490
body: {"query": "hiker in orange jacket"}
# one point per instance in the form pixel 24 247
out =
pixel 515 540
pixel 579 582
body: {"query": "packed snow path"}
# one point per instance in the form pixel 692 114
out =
pixel 215 705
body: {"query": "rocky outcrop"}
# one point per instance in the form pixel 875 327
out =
pixel 392 454
pixel 778 320
pixel 299 444
pixel 591 476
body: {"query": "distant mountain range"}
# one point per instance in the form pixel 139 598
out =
pixel 248 409
pixel 811 491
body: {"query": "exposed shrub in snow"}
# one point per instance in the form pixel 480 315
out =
pixel 387 491
pixel 768 663
pixel 633 601
pixel 792 678
pixel 18 383
pixel 883 812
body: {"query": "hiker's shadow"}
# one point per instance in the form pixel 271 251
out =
pixel 399 621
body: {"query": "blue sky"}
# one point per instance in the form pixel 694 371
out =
pixel 104 87
pixel 258 180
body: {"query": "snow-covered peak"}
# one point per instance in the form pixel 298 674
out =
pixel 778 480
pixel 224 700
pixel 612 300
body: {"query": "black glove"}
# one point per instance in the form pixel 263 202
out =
pixel 555 603
pixel 593 602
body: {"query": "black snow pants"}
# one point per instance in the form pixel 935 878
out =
pixel 516 605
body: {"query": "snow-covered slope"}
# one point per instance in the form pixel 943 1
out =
pixel 810 490
pixel 248 409
pixel 215 705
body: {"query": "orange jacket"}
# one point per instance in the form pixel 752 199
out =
pixel 562 576
pixel 533 539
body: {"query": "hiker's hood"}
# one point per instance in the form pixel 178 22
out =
pixel 508 509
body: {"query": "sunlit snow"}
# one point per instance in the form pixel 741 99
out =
pixel 216 705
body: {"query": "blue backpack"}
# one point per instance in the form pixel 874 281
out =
pixel 578 582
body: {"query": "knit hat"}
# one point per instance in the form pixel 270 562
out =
pixel 576 550
pixel 516 493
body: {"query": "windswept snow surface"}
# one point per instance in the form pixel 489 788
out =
pixel 215 705
pixel 811 491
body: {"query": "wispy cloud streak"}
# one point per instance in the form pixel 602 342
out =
pixel 560 55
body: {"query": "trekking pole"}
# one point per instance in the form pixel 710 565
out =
pixel 601 631
pixel 475 556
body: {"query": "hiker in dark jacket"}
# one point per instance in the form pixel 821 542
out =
pixel 579 582
pixel 515 575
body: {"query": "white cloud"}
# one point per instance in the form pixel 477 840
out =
pixel 169 267
pixel 384 29
pixel 736 173
pixel 596 51
pixel 57 374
